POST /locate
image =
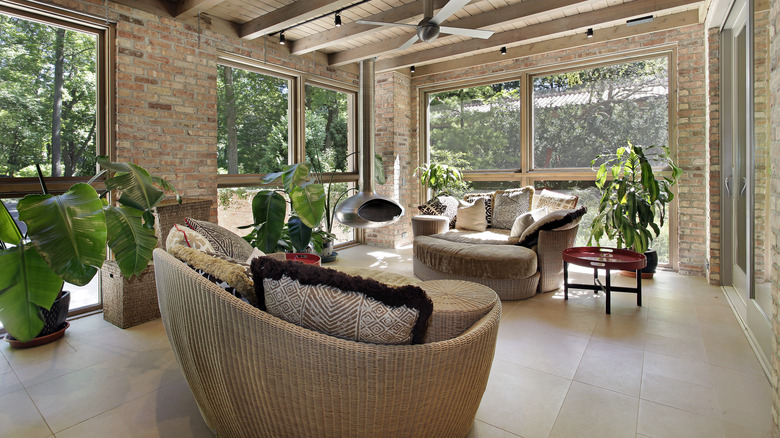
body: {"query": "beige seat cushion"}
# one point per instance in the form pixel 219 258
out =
pixel 475 260
pixel 490 236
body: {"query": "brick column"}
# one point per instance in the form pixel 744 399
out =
pixel 773 238
pixel 713 163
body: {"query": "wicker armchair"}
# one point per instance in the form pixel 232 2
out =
pixel 253 374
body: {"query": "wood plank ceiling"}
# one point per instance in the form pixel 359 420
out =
pixel 524 27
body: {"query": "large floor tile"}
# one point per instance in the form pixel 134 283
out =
pixel 676 368
pixel 596 412
pixel 19 418
pixel 744 398
pixel 22 357
pixel 690 349
pixel 625 330
pixel 673 316
pixel 167 412
pixel 521 400
pixel 549 352
pixel 484 430
pixel 660 421
pixel 611 366
pixel 9 383
pixel 679 394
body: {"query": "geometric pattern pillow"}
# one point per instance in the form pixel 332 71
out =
pixel 441 206
pixel 223 240
pixel 488 197
pixel 509 204
pixel 554 201
pixel 181 235
pixel 558 219
pixel 226 273
pixel 341 305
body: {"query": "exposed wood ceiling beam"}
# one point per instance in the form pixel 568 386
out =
pixel 666 22
pixel 494 18
pixel 512 37
pixel 289 15
pixel 354 30
pixel 189 8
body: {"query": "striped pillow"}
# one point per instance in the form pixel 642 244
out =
pixel 223 240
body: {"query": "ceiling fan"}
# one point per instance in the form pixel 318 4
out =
pixel 429 27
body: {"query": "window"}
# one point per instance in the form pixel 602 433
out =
pixel 596 110
pixel 476 128
pixel 328 140
pixel 54 79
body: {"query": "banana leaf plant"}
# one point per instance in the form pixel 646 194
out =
pixel 633 195
pixel 269 209
pixel 66 241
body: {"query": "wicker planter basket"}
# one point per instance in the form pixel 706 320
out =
pixel 128 301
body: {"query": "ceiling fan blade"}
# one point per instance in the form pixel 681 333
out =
pixel 409 43
pixel 473 33
pixel 382 23
pixel 449 9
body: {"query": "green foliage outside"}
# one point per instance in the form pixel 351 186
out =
pixel 48 99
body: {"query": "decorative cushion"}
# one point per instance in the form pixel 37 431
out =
pixel 488 197
pixel 228 274
pixel 559 219
pixel 341 305
pixel 446 206
pixel 522 222
pixel 472 217
pixel 509 204
pixel 491 236
pixel 255 253
pixel 554 201
pixel 181 235
pixel 223 240
pixel 497 262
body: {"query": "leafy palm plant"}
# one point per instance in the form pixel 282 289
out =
pixel 66 240
pixel 633 195
pixel 440 178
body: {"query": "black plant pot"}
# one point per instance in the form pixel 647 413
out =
pixel 652 262
pixel 54 318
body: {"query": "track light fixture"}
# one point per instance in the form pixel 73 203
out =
pixel 589 33
pixel 337 19
pixel 411 69
pixel 503 50
pixel 281 38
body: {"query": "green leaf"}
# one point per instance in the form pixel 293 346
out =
pixel 379 170
pixel 9 231
pixel 300 234
pixel 26 283
pixel 131 242
pixel 309 203
pixel 648 181
pixel 135 183
pixel 295 175
pixel 268 211
pixel 68 230
pixel 272 177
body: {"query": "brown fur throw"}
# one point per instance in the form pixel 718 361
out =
pixel 234 274
pixel 412 297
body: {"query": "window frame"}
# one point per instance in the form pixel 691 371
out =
pixel 526 174
pixel 105 33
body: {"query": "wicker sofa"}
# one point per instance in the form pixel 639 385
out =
pixel 492 257
pixel 253 374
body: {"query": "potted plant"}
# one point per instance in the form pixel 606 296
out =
pixel 634 197
pixel 270 232
pixel 440 178
pixel 66 240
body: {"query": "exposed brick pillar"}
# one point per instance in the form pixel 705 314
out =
pixel 773 238
pixel 713 163
pixel 393 120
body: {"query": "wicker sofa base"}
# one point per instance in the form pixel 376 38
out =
pixel 506 289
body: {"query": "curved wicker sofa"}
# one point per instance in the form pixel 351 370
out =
pixel 253 374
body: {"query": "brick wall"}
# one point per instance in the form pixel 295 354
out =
pixel 774 234
pixel 713 163
pixel 393 142
pixel 691 111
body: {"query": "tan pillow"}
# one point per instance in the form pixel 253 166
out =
pixel 521 223
pixel 488 197
pixel 509 204
pixel 558 219
pixel 181 235
pixel 554 201
pixel 227 274
pixel 472 217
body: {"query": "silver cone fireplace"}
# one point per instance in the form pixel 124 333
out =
pixel 367 209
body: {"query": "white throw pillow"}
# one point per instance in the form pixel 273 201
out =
pixel 521 223
pixel 472 217
pixel 182 235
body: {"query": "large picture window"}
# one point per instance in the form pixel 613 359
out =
pixel 596 110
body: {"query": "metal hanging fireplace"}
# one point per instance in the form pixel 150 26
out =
pixel 367 209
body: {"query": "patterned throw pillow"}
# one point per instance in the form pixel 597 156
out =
pixel 181 235
pixel 554 201
pixel 341 305
pixel 229 274
pixel 488 197
pixel 558 219
pixel 223 240
pixel 441 206
pixel 472 217
pixel 509 204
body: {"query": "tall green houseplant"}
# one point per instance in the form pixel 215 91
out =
pixel 66 240
pixel 440 178
pixel 633 195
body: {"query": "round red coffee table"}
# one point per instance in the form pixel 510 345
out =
pixel 608 259
pixel 303 257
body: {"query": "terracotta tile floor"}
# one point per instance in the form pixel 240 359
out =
pixel 679 366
